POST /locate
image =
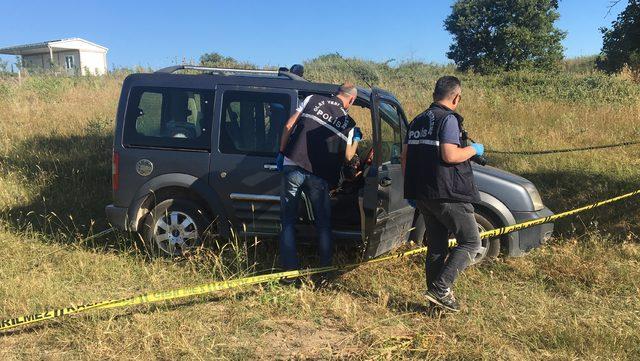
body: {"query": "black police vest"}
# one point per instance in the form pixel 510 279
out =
pixel 427 176
pixel 319 140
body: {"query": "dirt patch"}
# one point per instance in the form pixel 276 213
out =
pixel 302 340
pixel 288 339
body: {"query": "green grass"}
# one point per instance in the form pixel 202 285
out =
pixel 576 298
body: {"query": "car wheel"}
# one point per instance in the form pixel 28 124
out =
pixel 489 247
pixel 174 227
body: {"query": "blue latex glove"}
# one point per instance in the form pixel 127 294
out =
pixel 280 161
pixel 357 134
pixel 478 147
pixel 412 202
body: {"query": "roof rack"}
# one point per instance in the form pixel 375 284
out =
pixel 229 71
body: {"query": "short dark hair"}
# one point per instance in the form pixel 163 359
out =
pixel 445 86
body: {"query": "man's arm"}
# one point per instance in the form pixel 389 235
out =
pixel 449 137
pixel 288 128
pixel 355 136
pixel 286 132
pixel 453 154
pixel 351 150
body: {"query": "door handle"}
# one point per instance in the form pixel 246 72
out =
pixel 385 182
pixel 271 167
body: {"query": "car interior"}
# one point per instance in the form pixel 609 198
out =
pixel 185 118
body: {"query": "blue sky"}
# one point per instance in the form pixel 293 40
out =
pixel 158 33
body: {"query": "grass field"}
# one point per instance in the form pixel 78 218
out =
pixel 576 298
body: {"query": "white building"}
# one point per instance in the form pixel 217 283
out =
pixel 75 56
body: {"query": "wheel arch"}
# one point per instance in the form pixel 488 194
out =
pixel 498 211
pixel 170 185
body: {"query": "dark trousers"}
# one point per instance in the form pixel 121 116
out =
pixel 294 180
pixel 443 265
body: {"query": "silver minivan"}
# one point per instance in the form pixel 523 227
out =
pixel 194 152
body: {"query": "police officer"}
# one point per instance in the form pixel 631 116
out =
pixel 315 143
pixel 439 179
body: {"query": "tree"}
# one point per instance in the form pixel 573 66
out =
pixel 621 43
pixel 491 35
pixel 215 58
pixel 221 61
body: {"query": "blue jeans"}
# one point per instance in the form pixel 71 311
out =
pixel 295 180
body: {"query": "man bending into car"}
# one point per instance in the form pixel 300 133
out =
pixel 315 143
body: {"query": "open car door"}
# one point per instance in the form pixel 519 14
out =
pixel 388 217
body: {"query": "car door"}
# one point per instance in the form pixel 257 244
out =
pixel 242 168
pixel 388 217
pixel 165 130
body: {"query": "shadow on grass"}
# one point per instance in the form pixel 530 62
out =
pixel 69 181
pixel 565 190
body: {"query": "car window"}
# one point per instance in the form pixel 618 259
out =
pixel 252 122
pixel 148 120
pixel 169 118
pixel 390 134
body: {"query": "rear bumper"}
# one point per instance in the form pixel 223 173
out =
pixel 117 216
pixel 533 237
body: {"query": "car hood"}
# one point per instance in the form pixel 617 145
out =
pixel 517 193
pixel 499 173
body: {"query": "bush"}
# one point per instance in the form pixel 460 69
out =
pixel 5 89
pixel 586 87
pixel 47 87
pixel 219 61
pixel 336 69
pixel 589 88
pixel 581 64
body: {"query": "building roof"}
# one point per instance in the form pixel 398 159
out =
pixel 60 44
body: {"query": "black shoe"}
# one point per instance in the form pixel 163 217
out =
pixel 446 300
pixel 322 280
pixel 287 282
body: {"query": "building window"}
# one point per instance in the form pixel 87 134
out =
pixel 68 62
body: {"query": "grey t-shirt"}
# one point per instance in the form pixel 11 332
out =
pixel 450 131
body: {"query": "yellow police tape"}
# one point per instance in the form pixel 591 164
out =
pixel 235 283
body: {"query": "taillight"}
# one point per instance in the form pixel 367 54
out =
pixel 115 171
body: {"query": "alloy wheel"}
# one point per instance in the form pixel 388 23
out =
pixel 175 233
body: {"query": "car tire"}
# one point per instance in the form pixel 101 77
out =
pixel 489 248
pixel 175 227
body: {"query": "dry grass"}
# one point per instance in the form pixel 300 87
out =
pixel 574 299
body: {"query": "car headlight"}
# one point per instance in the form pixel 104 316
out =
pixel 535 196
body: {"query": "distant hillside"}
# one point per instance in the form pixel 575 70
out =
pixel 573 85
pixel 580 64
